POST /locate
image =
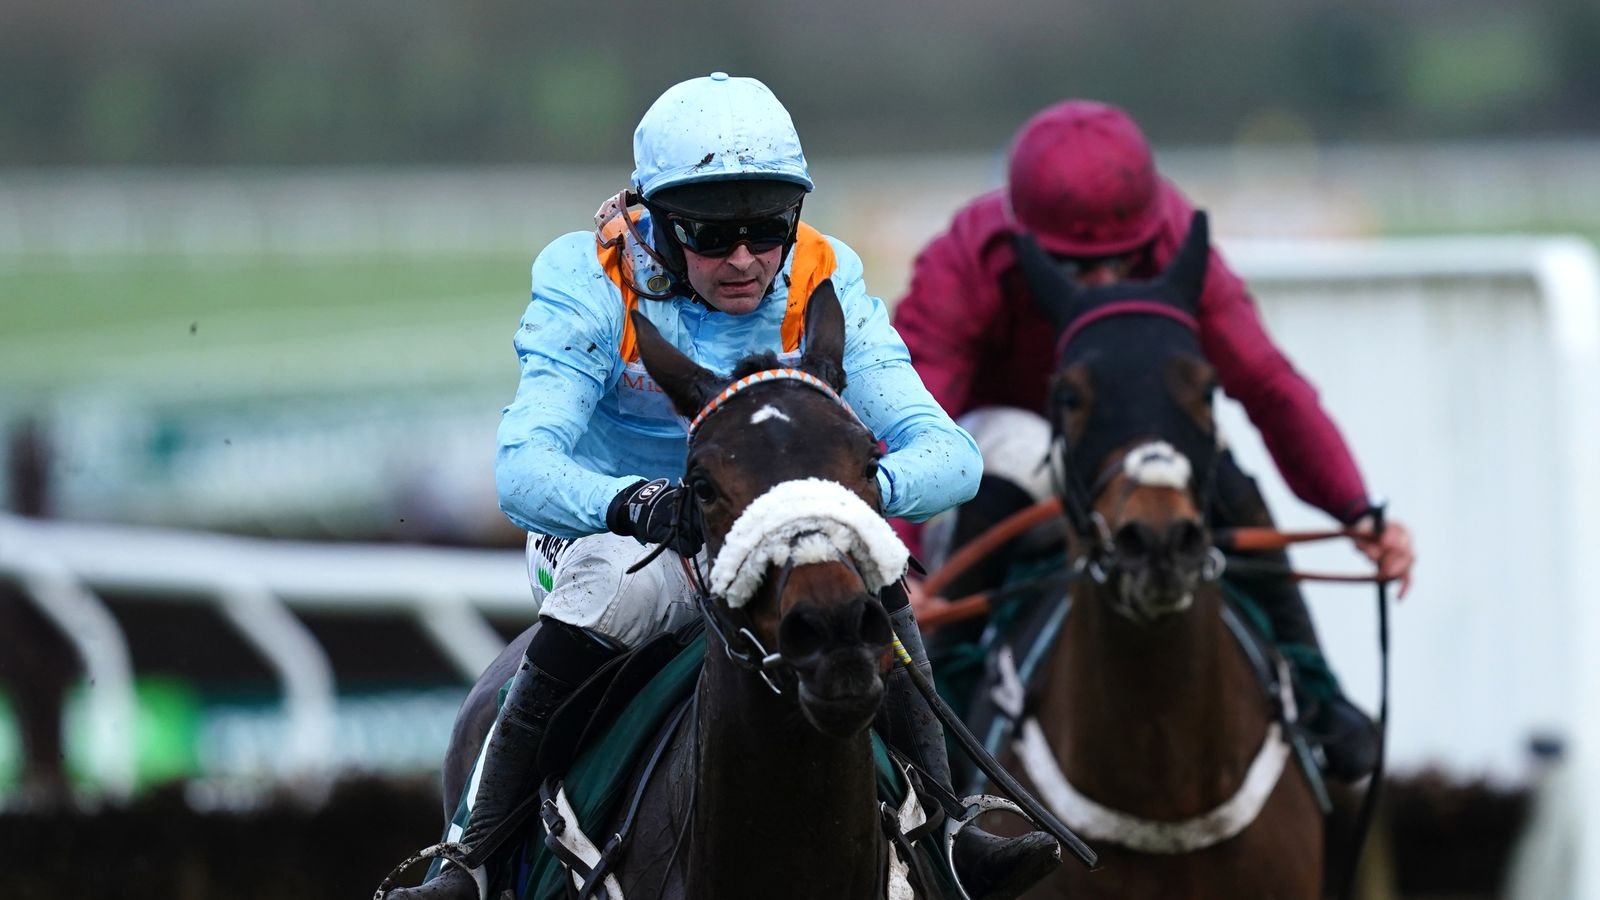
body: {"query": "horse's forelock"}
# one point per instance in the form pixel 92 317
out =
pixel 755 362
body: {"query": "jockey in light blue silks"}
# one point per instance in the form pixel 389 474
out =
pixel 591 452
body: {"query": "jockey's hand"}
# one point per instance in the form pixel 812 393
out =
pixel 656 512
pixel 1392 551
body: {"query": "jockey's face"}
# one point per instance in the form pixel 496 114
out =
pixel 734 283
pixel 1099 271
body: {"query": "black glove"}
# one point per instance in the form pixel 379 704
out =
pixel 657 512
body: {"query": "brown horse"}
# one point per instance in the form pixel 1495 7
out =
pixel 1150 732
pixel 767 789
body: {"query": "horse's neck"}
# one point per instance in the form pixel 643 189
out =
pixel 1161 720
pixel 781 809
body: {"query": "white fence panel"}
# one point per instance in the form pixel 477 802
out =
pixel 1466 375
pixel 256 585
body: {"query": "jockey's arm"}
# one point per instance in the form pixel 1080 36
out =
pixel 1303 440
pixel 568 354
pixel 931 465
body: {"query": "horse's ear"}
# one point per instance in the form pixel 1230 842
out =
pixel 1052 292
pixel 686 383
pixel 1186 274
pixel 824 353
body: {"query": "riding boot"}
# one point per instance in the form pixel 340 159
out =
pixel 990 867
pixel 559 658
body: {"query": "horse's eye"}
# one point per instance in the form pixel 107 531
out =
pixel 1070 399
pixel 704 490
pixel 870 470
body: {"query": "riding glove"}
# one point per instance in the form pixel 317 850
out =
pixel 657 512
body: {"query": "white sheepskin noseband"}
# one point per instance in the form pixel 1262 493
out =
pixel 810 520
pixel 1157 464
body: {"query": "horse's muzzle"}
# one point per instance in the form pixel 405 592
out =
pixel 835 649
pixel 1159 570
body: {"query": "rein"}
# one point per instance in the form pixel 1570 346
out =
pixel 1228 539
pixel 1369 802
pixel 733 626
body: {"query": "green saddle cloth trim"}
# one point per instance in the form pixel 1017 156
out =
pixel 597 780
pixel 891 781
pixel 602 774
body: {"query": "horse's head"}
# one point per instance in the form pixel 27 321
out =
pixel 1131 407
pixel 784 477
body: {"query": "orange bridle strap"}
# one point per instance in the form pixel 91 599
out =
pixel 762 377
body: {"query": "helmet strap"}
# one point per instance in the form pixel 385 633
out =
pixel 674 273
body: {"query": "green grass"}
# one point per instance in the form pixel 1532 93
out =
pixel 267 323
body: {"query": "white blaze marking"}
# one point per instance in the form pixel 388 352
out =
pixel 768 412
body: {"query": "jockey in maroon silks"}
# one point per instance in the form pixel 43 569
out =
pixel 1082 182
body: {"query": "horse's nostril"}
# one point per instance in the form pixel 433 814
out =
pixel 802 633
pixel 1133 541
pixel 810 629
pixel 875 628
pixel 1188 539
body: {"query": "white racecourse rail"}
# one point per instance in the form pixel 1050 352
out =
pixel 1465 373
pixel 255 585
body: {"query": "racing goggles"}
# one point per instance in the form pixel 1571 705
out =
pixel 1094 271
pixel 719 238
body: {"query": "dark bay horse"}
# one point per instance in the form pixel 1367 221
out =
pixel 1149 731
pixel 764 792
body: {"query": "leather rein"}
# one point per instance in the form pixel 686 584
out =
pixel 1229 541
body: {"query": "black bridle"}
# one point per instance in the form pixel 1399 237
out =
pixel 737 631
pixel 1145 315
pixel 1099 559
pixel 733 626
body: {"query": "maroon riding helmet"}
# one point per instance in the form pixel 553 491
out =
pixel 1082 181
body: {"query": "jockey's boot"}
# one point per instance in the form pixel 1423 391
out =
pixel 559 658
pixel 1348 736
pixel 990 867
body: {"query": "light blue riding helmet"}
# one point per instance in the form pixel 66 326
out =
pixel 716 128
